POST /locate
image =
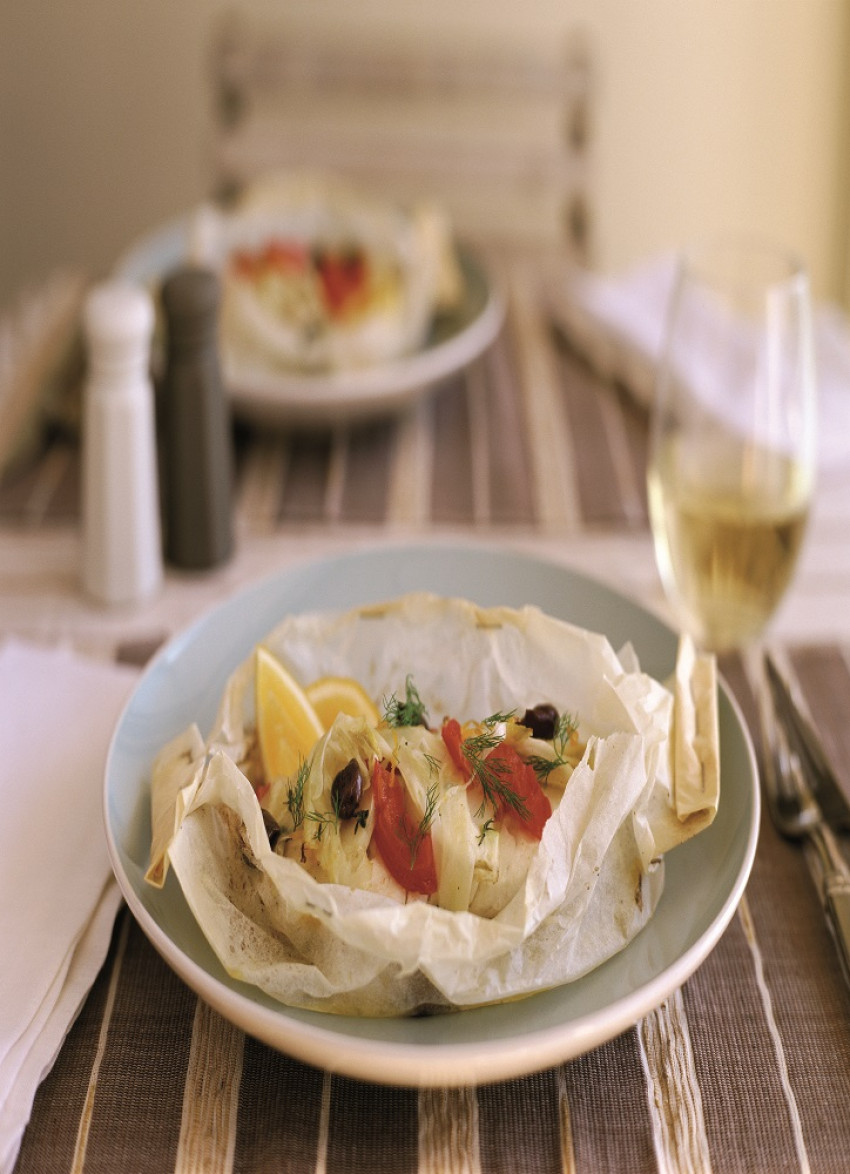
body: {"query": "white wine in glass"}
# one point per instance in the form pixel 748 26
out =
pixel 732 445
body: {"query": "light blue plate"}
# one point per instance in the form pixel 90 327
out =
pixel 705 877
pixel 317 399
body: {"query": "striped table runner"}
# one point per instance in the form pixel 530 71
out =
pixel 526 438
pixel 746 1068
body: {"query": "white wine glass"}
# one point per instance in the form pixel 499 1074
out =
pixel 732 444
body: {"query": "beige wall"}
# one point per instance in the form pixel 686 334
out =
pixel 710 114
pixel 101 127
pixel 723 115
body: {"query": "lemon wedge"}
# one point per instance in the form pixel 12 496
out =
pixel 331 696
pixel 287 724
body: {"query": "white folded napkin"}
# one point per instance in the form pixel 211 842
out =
pixel 619 323
pixel 58 898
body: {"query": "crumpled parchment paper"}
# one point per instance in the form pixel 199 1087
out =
pixel 407 251
pixel 648 781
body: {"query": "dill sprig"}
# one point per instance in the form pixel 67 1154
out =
pixel 487 826
pixel 564 730
pixel 325 819
pixel 414 839
pixel 322 819
pixel 491 774
pixel 410 712
pixel 295 796
pixel 434 764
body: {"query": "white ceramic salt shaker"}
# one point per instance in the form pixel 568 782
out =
pixel 122 551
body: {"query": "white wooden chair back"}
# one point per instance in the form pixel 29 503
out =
pixel 500 136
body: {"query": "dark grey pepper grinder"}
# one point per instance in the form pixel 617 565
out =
pixel 198 456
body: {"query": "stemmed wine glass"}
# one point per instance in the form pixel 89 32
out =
pixel 732 445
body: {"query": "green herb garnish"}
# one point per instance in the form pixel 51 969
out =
pixel 434 764
pixel 415 839
pixel 564 731
pixel 410 712
pixel 295 796
pixel 492 774
pixel 322 819
pixel 488 826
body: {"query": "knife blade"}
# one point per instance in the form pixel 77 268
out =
pixel 805 741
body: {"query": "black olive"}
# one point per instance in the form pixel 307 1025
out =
pixel 542 720
pixel 272 827
pixel 346 790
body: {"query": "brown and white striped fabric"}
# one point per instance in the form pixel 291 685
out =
pixel 494 448
pixel 746 1068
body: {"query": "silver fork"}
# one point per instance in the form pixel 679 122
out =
pixel 798 816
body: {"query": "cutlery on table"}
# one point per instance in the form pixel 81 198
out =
pixel 806 742
pixel 806 801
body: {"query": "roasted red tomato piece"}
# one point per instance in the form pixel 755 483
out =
pixel 244 264
pixel 453 738
pixel 287 256
pixel 516 777
pixel 343 277
pixel 406 849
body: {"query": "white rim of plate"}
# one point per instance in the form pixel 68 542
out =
pixel 378 1060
